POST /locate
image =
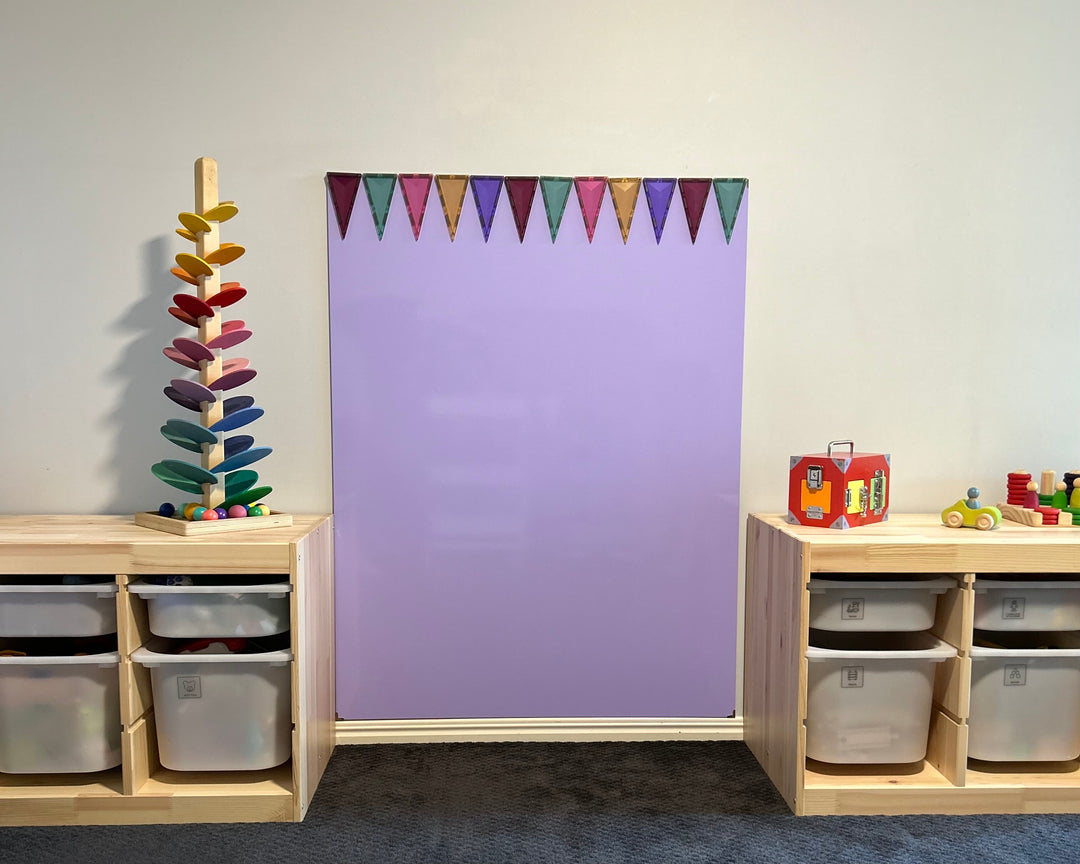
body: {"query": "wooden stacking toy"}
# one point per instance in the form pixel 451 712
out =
pixel 229 497
pixel 1044 504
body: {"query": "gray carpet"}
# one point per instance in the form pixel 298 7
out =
pixel 680 802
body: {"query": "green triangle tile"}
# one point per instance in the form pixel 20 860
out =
pixel 556 192
pixel 729 195
pixel 380 192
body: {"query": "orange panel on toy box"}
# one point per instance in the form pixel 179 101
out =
pixel 839 488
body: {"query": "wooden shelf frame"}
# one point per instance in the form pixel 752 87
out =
pixel 140 790
pixel 780 560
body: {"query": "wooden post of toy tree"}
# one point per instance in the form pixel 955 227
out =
pixel 206 198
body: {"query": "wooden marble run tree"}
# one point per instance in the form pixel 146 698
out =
pixel 227 490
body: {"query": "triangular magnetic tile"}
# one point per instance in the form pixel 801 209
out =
pixel 380 193
pixel 486 194
pixel 415 189
pixel 521 191
pixel 624 193
pixel 658 194
pixel 590 192
pixel 452 195
pixel 729 195
pixel 694 191
pixel 343 189
pixel 556 191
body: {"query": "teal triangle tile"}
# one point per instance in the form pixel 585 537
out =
pixel 380 193
pixel 556 192
pixel 729 195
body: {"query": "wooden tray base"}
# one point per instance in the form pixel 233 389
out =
pixel 1032 518
pixel 214 526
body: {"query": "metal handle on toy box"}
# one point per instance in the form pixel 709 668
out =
pixel 850 444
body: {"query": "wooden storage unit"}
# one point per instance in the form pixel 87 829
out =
pixel 140 790
pixel 780 559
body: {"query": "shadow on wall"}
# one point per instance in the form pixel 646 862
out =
pixel 143 372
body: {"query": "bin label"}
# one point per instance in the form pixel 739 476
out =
pixel 189 686
pixel 851 608
pixel 1012 608
pixel 1015 674
pixel 851 676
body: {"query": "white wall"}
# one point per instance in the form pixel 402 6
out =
pixel 913 272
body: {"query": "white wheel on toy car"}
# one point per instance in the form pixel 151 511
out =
pixel 984 522
pixel 954 519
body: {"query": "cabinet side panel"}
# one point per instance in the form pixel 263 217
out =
pixel 314 678
pixel 772 685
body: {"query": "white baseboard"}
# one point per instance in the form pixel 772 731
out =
pixel 539 729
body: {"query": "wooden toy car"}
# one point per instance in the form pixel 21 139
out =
pixel 967 513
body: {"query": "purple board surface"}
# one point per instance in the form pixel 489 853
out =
pixel 536 467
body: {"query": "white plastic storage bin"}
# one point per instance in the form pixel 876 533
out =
pixel 1025 701
pixel 869 696
pixel 220 712
pixel 49 608
pixel 200 611
pixel 59 714
pixel 881 605
pixel 1026 605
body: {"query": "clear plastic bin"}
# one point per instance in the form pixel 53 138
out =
pixel 59 714
pixel 869 695
pixel 40 607
pixel 220 712
pixel 878 605
pixel 194 611
pixel 1025 697
pixel 1042 605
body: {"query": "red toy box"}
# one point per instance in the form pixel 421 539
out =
pixel 839 491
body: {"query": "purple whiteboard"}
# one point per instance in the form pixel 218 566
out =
pixel 536 464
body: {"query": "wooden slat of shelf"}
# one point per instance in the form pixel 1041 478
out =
pixel 274 782
pixel 139 743
pixel 98 784
pixel 132 619
pixel 774 700
pixel 313 671
pixel 244 804
pixel 895 799
pixel 58 799
pixel 1051 775
pixel 952 686
pixel 919 543
pixel 874 789
pixel 947 746
pixel 954 614
pixel 920 775
pixel 136 691
pixel 114 544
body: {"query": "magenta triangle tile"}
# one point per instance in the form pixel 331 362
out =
pixel 415 189
pixel 590 192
